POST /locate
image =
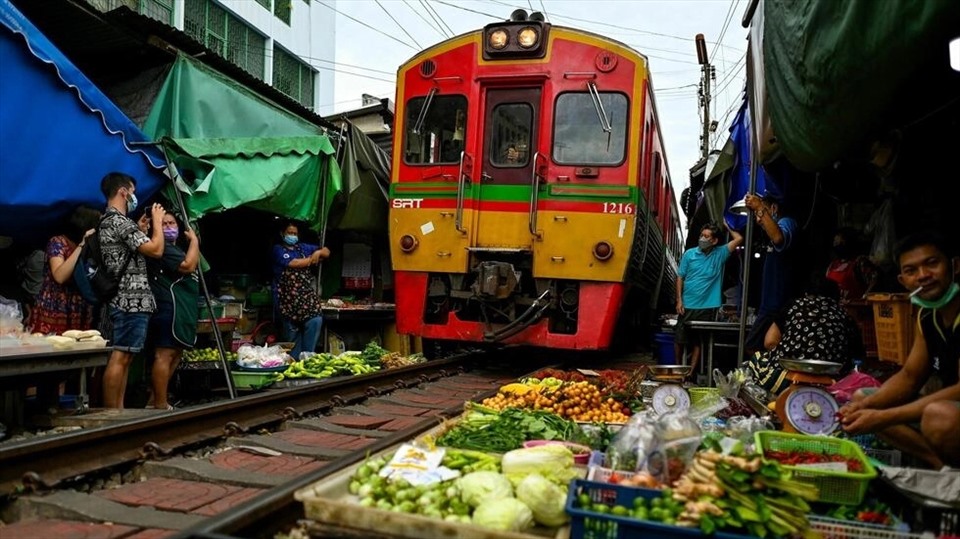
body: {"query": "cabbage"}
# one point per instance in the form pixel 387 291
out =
pixel 545 499
pixel 506 514
pixel 552 461
pixel 477 487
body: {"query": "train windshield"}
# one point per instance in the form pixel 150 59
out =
pixel 440 137
pixel 579 138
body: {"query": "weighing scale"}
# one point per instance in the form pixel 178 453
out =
pixel 806 407
pixel 670 396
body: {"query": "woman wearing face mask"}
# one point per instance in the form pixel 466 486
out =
pixel 174 283
pixel 295 297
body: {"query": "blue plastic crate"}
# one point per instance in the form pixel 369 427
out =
pixel 589 525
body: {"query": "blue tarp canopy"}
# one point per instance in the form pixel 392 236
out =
pixel 59 135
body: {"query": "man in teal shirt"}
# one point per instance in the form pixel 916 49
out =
pixel 698 287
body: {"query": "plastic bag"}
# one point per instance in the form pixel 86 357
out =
pixel 679 437
pixel 11 318
pixel 261 357
pixel 639 432
pixel 845 388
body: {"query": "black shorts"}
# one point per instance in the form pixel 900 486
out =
pixel 683 333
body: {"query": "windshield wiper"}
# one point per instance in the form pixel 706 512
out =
pixel 423 112
pixel 602 114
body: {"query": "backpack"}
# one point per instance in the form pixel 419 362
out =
pixel 91 276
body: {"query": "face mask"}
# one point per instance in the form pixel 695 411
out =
pixel 290 239
pixel 946 298
pixel 705 244
pixel 170 233
pixel 131 203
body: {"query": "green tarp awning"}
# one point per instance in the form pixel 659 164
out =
pixel 282 175
pixel 836 74
pixel 366 179
pixel 196 101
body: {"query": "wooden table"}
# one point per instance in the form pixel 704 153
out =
pixel 711 329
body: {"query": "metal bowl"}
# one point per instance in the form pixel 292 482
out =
pixel 669 372
pixel 811 366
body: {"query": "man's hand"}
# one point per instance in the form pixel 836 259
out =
pixel 189 233
pixel 864 421
pixel 679 306
pixel 156 214
pixel 753 202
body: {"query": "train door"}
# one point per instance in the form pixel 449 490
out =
pixel 509 153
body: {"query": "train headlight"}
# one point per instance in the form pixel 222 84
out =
pixel 528 37
pixel 408 243
pixel 497 39
pixel 602 251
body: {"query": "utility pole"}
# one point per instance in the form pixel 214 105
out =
pixel 706 72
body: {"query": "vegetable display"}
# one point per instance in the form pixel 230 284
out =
pixel 500 432
pixel 580 401
pixel 800 458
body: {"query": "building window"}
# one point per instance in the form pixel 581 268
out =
pixel 282 8
pixel 264 3
pixel 293 77
pixel 161 10
pixel 226 35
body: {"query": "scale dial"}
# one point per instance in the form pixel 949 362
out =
pixel 811 410
pixel 670 398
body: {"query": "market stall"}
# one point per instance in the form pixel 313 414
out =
pixel 581 454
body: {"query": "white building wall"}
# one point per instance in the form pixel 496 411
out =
pixel 311 37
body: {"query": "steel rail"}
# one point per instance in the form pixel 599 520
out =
pixel 43 463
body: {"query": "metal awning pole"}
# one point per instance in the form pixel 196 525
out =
pixel 748 239
pixel 182 208
pixel 323 206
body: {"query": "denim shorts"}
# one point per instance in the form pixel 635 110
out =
pixel 129 330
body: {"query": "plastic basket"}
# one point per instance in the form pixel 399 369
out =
pixel 699 394
pixel 831 528
pixel 889 457
pixel 894 325
pixel 862 313
pixel 846 488
pixel 586 524
pixel 251 380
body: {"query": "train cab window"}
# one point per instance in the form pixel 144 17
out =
pixel 435 129
pixel 510 132
pixel 579 137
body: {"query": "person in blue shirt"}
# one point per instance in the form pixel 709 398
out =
pixel 698 286
pixel 778 282
pixel 302 328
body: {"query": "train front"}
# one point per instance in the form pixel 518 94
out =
pixel 515 186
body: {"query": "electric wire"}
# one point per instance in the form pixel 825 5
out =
pixel 398 24
pixel 440 20
pixel 543 9
pixel 726 24
pixel 424 19
pixel 358 21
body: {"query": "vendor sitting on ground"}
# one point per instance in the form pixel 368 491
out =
pixel 906 411
pixel 813 326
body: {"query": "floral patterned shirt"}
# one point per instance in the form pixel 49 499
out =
pixel 119 239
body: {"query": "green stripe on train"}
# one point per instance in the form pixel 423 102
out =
pixel 514 193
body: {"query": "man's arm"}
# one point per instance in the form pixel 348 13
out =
pixel 737 237
pixel 679 295
pixel 189 264
pixel 154 247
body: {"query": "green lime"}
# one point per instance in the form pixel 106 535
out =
pixel 584 500
pixel 639 502
pixel 600 508
pixel 642 513
pixel 620 511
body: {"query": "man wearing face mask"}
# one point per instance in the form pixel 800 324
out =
pixel 124 247
pixel 698 286
pixel 778 283
pixel 924 425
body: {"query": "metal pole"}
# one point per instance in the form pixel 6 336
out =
pixel 203 286
pixel 748 239
pixel 323 206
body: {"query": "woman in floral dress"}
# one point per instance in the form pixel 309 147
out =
pixel 59 305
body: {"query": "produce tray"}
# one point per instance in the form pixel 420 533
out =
pixel 329 502
pixel 831 528
pixel 199 365
pixel 846 488
pixel 251 380
pixel 589 525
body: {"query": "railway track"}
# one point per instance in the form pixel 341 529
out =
pixel 229 467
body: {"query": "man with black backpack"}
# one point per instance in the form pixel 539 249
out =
pixel 123 247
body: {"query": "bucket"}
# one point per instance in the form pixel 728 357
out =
pixel 664 343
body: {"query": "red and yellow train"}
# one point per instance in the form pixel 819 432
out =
pixel 530 197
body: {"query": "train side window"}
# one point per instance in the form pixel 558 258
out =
pixel 578 135
pixel 510 129
pixel 442 130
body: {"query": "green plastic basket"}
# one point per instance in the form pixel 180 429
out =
pixel 700 394
pixel 252 380
pixel 847 488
